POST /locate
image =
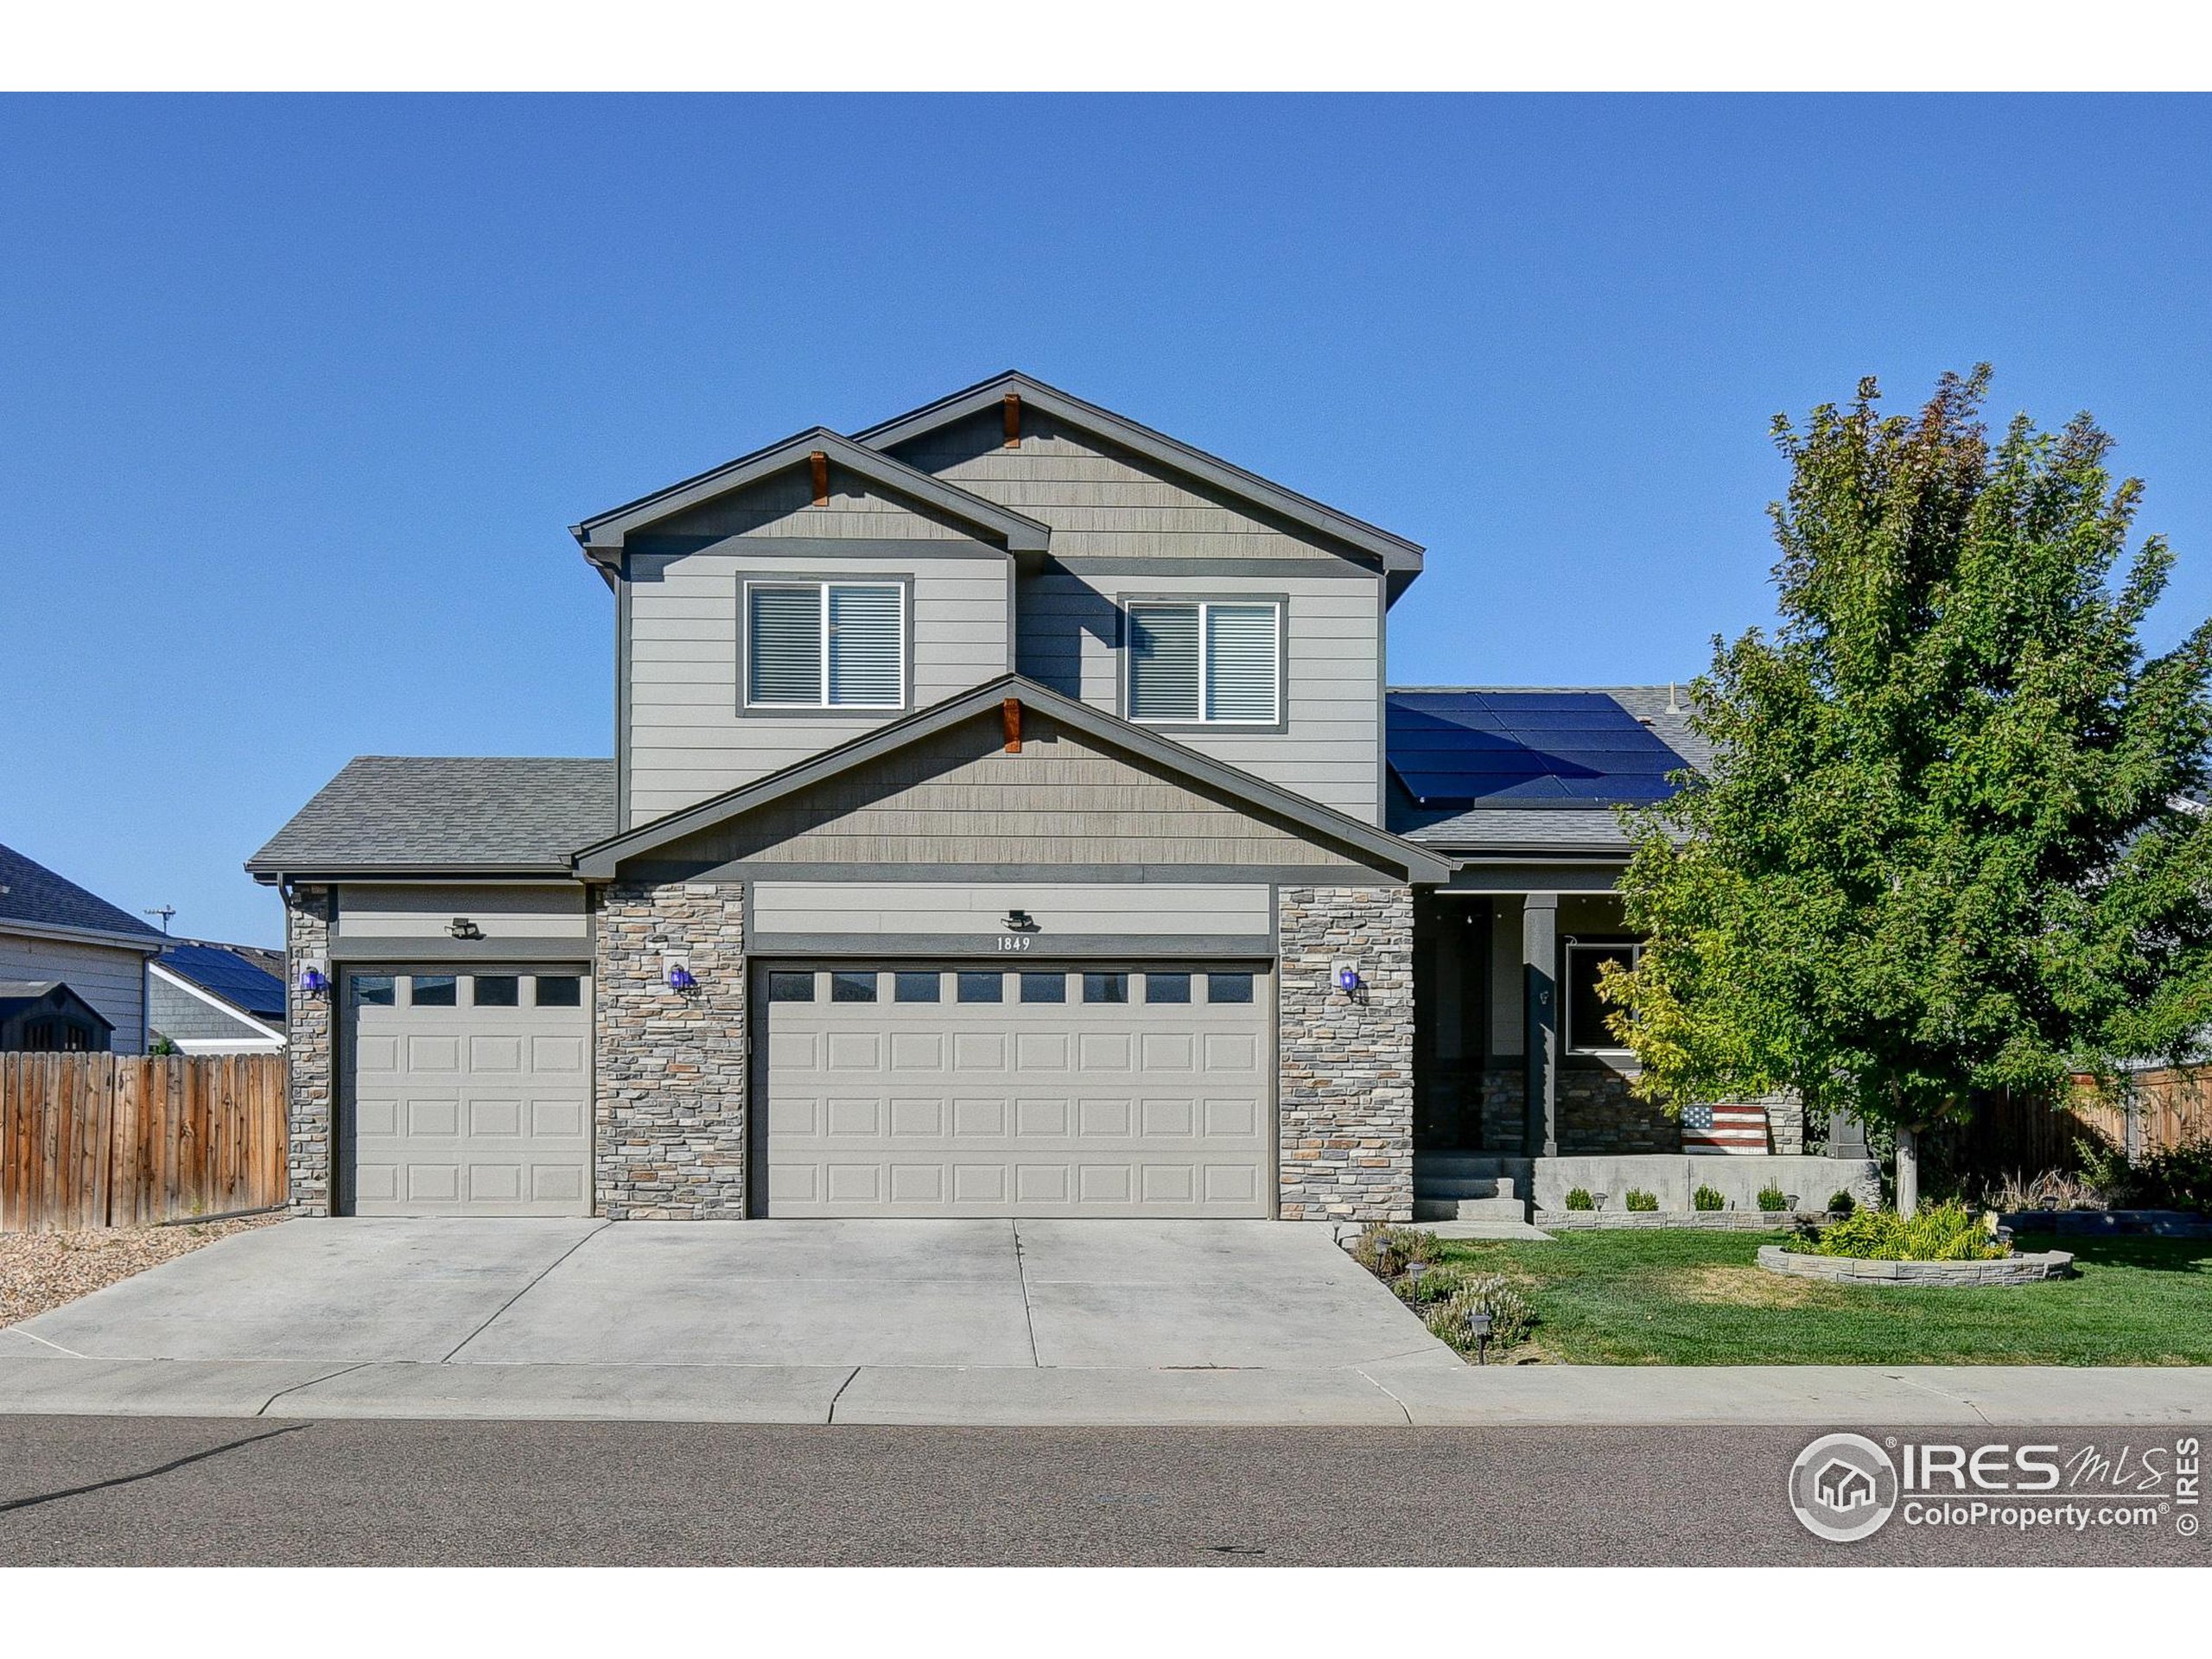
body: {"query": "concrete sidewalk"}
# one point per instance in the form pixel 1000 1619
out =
pixel 1382 1394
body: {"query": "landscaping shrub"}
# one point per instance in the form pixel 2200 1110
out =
pixel 2052 1190
pixel 1940 1232
pixel 1639 1199
pixel 1580 1198
pixel 1705 1198
pixel 1841 1203
pixel 1511 1318
pixel 2179 1177
pixel 1772 1199
pixel 1386 1251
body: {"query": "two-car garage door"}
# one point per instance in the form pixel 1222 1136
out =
pixel 1068 1090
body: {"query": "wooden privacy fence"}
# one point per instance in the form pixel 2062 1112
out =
pixel 128 1141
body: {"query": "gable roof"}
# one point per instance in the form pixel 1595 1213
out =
pixel 601 535
pixel 602 859
pixel 1395 553
pixel 444 814
pixel 18 995
pixel 249 979
pixel 35 897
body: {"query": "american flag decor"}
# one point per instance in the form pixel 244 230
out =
pixel 1723 1129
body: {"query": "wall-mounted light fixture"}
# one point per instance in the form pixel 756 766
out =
pixel 462 928
pixel 314 981
pixel 1021 921
pixel 1347 980
pixel 681 981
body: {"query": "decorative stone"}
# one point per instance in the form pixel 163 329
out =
pixel 2024 1268
pixel 309 1093
pixel 1345 1062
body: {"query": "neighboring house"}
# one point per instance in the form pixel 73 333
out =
pixel 53 932
pixel 1006 817
pixel 45 1016
pixel 218 999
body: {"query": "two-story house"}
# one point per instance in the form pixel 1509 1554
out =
pixel 1006 817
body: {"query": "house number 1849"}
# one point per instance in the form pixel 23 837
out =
pixel 1013 941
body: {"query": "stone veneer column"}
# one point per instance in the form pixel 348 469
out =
pixel 1345 1063
pixel 307 1052
pixel 671 1066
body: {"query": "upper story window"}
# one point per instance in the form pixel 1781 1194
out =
pixel 825 644
pixel 1205 662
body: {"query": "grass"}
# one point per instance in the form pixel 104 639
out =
pixel 1684 1298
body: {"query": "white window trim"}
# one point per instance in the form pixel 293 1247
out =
pixel 1203 606
pixel 823 587
pixel 1566 1003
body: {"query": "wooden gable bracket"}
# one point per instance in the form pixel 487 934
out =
pixel 818 464
pixel 1010 716
pixel 1014 420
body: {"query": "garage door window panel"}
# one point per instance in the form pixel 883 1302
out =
pixel 916 987
pixel 785 987
pixel 497 991
pixel 559 991
pixel 982 987
pixel 846 986
pixel 1167 987
pixel 433 991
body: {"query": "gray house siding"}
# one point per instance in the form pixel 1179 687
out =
pixel 958 798
pixel 184 1017
pixel 1330 748
pixel 112 980
pixel 688 736
pixel 1101 501
pixel 1123 526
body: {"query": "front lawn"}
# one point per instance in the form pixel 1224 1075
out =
pixel 1683 1297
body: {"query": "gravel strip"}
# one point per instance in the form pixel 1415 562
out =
pixel 43 1270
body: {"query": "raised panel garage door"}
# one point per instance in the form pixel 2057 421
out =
pixel 1045 1090
pixel 467 1094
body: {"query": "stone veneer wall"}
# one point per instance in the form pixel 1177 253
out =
pixel 1345 1062
pixel 1598 1115
pixel 308 1061
pixel 1505 1108
pixel 671 1066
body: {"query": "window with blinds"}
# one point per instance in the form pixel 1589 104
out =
pixel 1205 662
pixel 825 644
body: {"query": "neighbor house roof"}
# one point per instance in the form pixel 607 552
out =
pixel 247 977
pixel 1579 829
pixel 439 815
pixel 17 995
pixel 602 534
pixel 603 860
pixel 1394 553
pixel 34 897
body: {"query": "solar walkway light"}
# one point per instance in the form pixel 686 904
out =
pixel 1479 1328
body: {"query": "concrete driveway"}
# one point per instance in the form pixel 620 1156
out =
pixel 855 1311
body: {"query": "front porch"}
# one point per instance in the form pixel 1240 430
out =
pixel 1521 1094
pixel 1511 1055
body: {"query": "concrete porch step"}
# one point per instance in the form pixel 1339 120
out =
pixel 1457 1164
pixel 1470 1210
pixel 1427 1186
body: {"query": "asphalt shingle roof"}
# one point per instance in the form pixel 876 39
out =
pixel 31 892
pixel 1552 830
pixel 444 812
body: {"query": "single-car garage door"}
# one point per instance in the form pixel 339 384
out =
pixel 1044 1091
pixel 469 1094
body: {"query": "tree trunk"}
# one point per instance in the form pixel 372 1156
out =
pixel 1907 1170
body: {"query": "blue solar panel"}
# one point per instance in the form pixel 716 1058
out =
pixel 232 978
pixel 1526 748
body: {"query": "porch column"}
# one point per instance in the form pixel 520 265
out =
pixel 1540 1020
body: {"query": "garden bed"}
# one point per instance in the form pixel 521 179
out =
pixel 1708 1221
pixel 2019 1268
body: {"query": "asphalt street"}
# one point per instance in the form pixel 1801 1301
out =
pixel 155 1491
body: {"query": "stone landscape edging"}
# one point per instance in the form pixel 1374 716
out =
pixel 2027 1268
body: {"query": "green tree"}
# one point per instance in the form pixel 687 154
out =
pixel 1947 844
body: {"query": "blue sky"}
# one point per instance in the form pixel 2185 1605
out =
pixel 299 396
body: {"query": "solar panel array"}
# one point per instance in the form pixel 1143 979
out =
pixel 232 978
pixel 1525 748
